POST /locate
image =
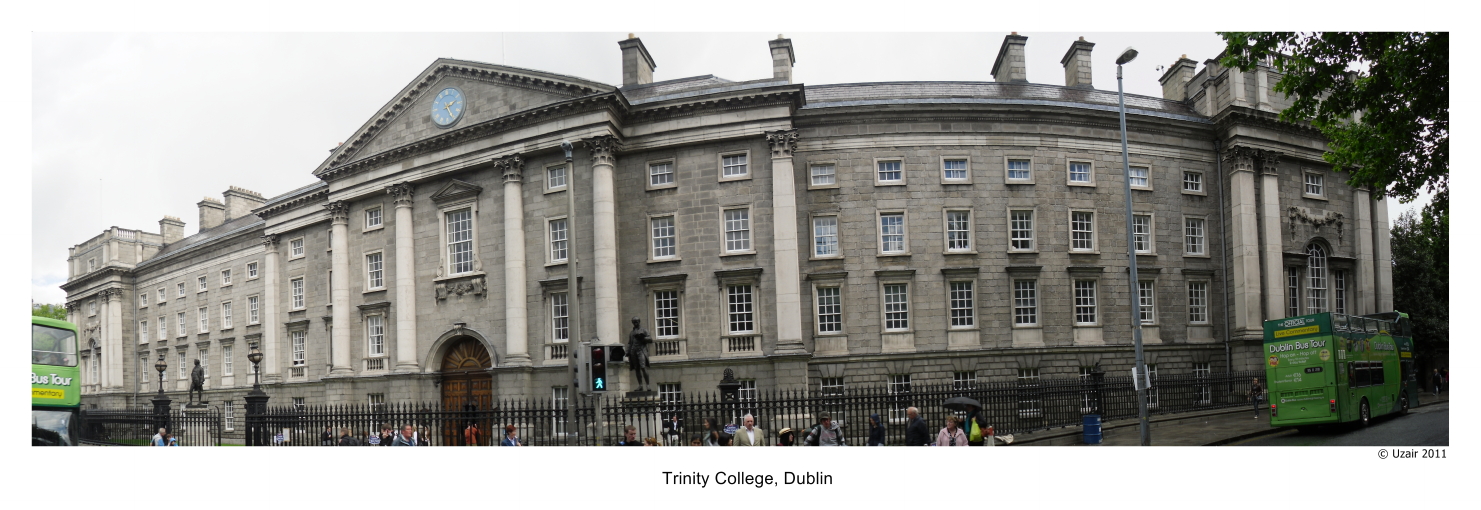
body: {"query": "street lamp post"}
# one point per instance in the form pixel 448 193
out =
pixel 161 402
pixel 256 402
pixel 573 288
pixel 1140 373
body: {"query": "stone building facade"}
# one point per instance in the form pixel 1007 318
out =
pixel 817 237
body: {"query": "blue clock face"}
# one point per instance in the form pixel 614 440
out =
pixel 447 106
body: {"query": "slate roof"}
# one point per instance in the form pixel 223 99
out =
pixel 235 226
pixel 916 92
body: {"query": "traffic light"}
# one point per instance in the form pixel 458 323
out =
pixel 598 373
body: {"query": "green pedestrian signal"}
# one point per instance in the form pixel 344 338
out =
pixel 598 370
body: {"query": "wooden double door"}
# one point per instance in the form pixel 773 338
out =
pixel 468 387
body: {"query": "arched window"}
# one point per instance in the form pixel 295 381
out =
pixel 1316 279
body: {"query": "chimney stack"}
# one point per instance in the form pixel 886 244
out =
pixel 1175 80
pixel 171 229
pixel 1076 64
pixel 782 58
pixel 1010 65
pixel 213 213
pixel 637 64
pixel 240 202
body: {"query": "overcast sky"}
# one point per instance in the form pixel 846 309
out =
pixel 128 128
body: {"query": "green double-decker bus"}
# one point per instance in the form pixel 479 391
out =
pixel 1335 368
pixel 55 387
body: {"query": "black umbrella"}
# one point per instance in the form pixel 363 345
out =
pixel 960 403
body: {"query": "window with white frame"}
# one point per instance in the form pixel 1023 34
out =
pixel 892 232
pixel 661 175
pixel 1021 230
pixel 664 246
pixel 1314 184
pixel 143 369
pixel 225 277
pixel 161 294
pixel 899 388
pixel 1293 292
pixel 143 300
pixel 560 399
pixel 164 328
pixel 560 317
pixel 295 289
pixel 98 361
pixel 252 314
pixel 229 417
pixel 666 313
pixel 226 368
pixel 205 318
pixel 1141 177
pixel 831 386
pixel 459 241
pixel 964 380
pixel 670 398
pixel 1316 279
pixel 296 341
pixel 1080 172
pixel 963 313
pixel 1193 237
pixel 954 169
pixel 295 248
pixel 1193 181
pixel 825 236
pixel 1204 394
pixel 890 172
pixel 143 331
pixel 1025 302
pixel 896 307
pixel 746 395
pixel 226 315
pixel 92 307
pixel 555 177
pixel 741 315
pixel 1019 170
pixel 1082 231
pixel 375 332
pixel 180 322
pixel 373 218
pixel 200 282
pixel 375 401
pixel 737 230
pixel 1146 292
pixel 298 404
pixel 1030 403
pixel 1085 302
pixel 830 310
pixel 558 243
pixel 374 271
pixel 1198 302
pixel 958 230
pixel 92 264
pixel 733 166
pixel 1141 230
pixel 1339 291
pixel 205 357
pixel 1087 397
pixel 824 175
pixel 182 371
pixel 180 289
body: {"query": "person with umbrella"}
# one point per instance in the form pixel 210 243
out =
pixel 977 430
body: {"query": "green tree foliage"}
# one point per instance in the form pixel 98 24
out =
pixel 1398 84
pixel 1421 252
pixel 58 312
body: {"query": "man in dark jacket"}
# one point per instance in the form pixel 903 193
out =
pixel 345 439
pixel 876 431
pixel 916 433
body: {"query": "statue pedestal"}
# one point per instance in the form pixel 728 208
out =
pixel 640 395
pixel 198 425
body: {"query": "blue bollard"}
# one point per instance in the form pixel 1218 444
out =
pixel 1091 426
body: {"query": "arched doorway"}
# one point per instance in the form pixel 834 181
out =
pixel 466 386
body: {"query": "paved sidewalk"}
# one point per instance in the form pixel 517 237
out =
pixel 1188 429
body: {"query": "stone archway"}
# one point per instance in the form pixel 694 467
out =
pixel 468 386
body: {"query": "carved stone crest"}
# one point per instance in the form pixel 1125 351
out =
pixel 1304 215
pixel 474 287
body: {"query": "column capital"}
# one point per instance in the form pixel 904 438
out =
pixel 512 167
pixel 603 149
pixel 783 142
pixel 402 193
pixel 339 211
pixel 1268 161
pixel 109 294
pixel 1240 158
pixel 270 241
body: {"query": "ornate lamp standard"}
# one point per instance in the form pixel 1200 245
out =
pixel 161 402
pixel 1140 373
pixel 256 402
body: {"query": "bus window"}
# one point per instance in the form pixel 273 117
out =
pixel 1376 369
pixel 53 346
pixel 1361 371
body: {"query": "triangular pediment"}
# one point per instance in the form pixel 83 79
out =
pixel 456 191
pixel 489 92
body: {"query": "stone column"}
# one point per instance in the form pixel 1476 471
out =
pixel 1383 281
pixel 1236 89
pixel 406 295
pixel 1262 89
pixel 516 320
pixel 1243 239
pixel 784 228
pixel 1366 297
pixel 604 237
pixel 270 322
pixel 113 299
pixel 339 291
pixel 1270 241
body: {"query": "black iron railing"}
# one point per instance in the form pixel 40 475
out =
pixel 136 427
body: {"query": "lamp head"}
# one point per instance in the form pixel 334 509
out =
pixel 255 356
pixel 160 365
pixel 566 146
pixel 1127 55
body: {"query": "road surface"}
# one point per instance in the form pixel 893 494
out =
pixel 1424 426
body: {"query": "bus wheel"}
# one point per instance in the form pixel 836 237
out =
pixel 1363 415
